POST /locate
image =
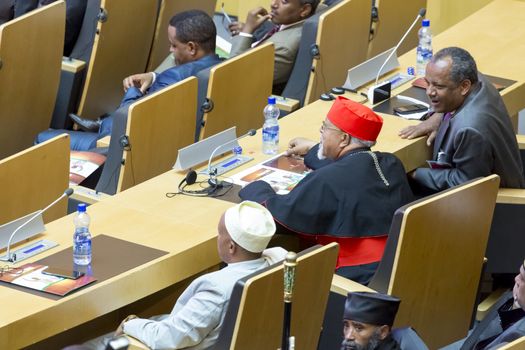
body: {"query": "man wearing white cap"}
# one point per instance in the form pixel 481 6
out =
pixel 195 322
pixel 350 198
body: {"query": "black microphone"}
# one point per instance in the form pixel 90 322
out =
pixel 213 179
pixel 8 256
pixel 383 91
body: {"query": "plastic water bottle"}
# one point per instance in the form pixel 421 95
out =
pixel 424 48
pixel 81 237
pixel 270 129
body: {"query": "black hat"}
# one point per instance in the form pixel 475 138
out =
pixel 373 308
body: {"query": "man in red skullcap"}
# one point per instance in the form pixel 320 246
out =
pixel 349 198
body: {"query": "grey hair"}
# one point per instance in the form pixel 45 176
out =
pixel 363 143
pixel 463 64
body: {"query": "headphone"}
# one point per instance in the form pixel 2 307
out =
pixel 124 142
pixel 190 179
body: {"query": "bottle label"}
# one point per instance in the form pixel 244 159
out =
pixel 271 134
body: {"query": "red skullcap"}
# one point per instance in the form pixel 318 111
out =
pixel 355 119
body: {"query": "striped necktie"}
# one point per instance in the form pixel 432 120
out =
pixel 271 32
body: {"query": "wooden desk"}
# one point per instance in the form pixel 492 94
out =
pixel 144 215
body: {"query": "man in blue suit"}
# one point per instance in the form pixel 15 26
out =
pixel 192 43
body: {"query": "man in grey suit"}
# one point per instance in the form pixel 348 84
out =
pixel 470 127
pixel 287 18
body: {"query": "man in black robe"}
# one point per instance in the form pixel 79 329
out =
pixel 349 198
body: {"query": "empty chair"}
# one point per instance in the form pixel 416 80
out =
pixel 30 55
pixel 237 92
pixel 121 48
pixel 332 41
pixel 395 17
pixel 33 178
pixel 433 260
pixel 146 137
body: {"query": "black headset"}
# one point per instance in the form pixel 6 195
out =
pixel 190 179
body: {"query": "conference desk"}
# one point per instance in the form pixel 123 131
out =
pixel 183 226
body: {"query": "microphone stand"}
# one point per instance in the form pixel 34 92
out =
pixel 12 259
pixel 213 173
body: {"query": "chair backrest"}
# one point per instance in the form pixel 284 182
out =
pixel 30 57
pixel 434 257
pixel 86 37
pixel 342 41
pixel 158 126
pixel 168 8
pixel 33 178
pixel 395 17
pixel 517 344
pixel 255 313
pixel 238 90
pixel 121 48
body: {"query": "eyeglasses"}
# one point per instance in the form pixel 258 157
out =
pixel 9 270
pixel 326 127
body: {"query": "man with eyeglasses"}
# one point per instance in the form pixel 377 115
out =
pixel 470 128
pixel 351 195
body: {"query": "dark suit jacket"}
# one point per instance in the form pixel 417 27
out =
pixel 479 141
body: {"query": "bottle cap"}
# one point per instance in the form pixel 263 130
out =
pixel 426 23
pixel 271 100
pixel 81 207
pixel 411 71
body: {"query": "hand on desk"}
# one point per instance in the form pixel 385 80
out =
pixel 299 146
pixel 120 329
pixel 428 127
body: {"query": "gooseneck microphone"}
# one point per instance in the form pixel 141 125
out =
pixel 421 14
pixel 213 173
pixel 8 256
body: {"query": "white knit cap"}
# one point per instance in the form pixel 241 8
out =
pixel 250 225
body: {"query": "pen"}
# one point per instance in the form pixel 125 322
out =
pixel 225 14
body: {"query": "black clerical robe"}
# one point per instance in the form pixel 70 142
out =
pixel 344 201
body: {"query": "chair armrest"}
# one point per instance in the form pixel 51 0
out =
pixel 511 196
pixel 487 303
pixel 72 65
pixel 521 141
pixel 135 344
pixel 286 104
pixel 87 195
pixel 104 142
pixel 342 286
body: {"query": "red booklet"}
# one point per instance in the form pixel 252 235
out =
pixel 83 164
pixel 31 276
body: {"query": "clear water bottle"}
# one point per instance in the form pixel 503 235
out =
pixel 424 48
pixel 81 237
pixel 270 129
